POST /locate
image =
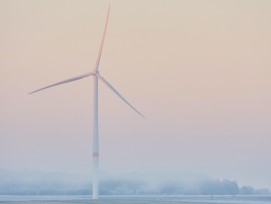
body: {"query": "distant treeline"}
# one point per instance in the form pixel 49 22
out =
pixel 33 183
pixel 207 187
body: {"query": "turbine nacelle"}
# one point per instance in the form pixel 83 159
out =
pixel 95 72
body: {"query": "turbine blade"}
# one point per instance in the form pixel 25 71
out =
pixel 65 81
pixel 118 94
pixel 102 42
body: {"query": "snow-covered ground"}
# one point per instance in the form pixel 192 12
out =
pixel 136 199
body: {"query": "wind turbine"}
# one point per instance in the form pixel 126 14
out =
pixel 95 140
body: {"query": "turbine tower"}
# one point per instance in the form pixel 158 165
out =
pixel 95 140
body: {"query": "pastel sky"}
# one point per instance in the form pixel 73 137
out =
pixel 198 70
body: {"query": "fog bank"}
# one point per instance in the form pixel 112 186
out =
pixel 57 183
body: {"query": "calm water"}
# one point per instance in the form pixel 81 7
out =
pixel 136 200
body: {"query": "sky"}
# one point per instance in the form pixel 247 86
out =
pixel 198 70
